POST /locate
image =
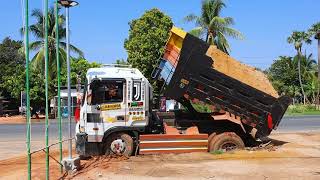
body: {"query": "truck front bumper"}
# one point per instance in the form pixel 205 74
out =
pixel 85 148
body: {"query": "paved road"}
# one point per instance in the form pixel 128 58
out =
pixel 12 137
pixel 299 123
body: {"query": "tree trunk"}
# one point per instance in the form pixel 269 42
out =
pixel 319 59
pixel 318 101
pixel 299 72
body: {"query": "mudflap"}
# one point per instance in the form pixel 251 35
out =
pixel 172 143
pixel 85 148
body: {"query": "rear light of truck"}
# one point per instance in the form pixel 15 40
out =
pixel 270 122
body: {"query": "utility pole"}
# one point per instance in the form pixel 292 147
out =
pixel 69 164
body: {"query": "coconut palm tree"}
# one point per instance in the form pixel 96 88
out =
pixel 309 75
pixel 212 26
pixel 298 38
pixel 315 31
pixel 308 66
pixel 37 29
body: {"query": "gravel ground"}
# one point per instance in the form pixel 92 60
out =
pixel 294 156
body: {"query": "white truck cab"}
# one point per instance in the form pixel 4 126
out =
pixel 115 97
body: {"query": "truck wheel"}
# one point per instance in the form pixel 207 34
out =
pixel 227 141
pixel 212 135
pixel 119 144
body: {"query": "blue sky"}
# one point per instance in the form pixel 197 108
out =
pixel 99 27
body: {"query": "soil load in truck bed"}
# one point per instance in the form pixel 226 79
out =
pixel 194 71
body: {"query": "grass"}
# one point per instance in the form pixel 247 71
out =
pixel 217 152
pixel 296 110
pixel 293 110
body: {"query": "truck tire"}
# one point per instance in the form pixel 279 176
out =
pixel 120 144
pixel 212 135
pixel 227 141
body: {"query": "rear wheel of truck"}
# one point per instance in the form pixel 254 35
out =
pixel 227 141
pixel 212 135
pixel 120 144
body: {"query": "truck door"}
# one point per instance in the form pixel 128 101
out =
pixel 106 107
pixel 136 103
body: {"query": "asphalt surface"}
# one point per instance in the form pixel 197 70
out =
pixel 299 124
pixel 13 137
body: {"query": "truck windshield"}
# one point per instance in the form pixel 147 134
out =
pixel 107 91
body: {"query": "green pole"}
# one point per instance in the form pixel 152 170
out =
pixel 26 45
pixel 46 86
pixel 58 74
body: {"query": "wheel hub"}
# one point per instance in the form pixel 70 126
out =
pixel 117 146
pixel 228 146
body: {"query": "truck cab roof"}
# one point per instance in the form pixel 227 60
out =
pixel 114 71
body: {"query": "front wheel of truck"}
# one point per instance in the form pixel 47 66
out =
pixel 120 144
pixel 227 141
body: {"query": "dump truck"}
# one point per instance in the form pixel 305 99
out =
pixel 117 114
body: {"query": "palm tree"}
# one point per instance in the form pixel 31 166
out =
pixel 37 29
pixel 308 66
pixel 308 73
pixel 212 26
pixel 298 38
pixel 315 31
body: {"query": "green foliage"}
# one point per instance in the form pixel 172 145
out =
pixel 37 89
pixel 121 62
pixel 202 108
pixel 12 75
pixel 147 38
pixel 212 27
pixel 297 38
pixel 315 30
pixel 79 67
pixel 11 67
pixel 217 152
pixel 302 109
pixel 283 74
pixel 38 46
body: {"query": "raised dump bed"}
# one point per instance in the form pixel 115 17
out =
pixel 194 71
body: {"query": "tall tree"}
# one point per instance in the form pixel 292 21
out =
pixel 147 38
pixel 11 67
pixel 315 31
pixel 309 77
pixel 283 76
pixel 79 68
pixel 212 26
pixel 37 29
pixel 297 38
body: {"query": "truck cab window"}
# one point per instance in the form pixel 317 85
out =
pixel 107 91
